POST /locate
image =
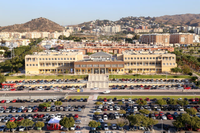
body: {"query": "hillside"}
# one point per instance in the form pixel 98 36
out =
pixel 182 19
pixel 38 24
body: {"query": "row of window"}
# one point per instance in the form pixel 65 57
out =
pixel 101 65
pixel 144 58
pixel 143 69
pixel 29 59
pixel 145 64
pixel 168 64
pixel 53 64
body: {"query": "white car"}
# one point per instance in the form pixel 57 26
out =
pixel 106 92
pixel 21 128
pixel 95 88
pixel 98 110
pixel 114 126
pixel 105 126
pixel 164 117
pixel 105 117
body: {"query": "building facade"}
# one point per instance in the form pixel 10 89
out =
pixel 52 62
pixel 181 38
pixel 100 62
pixel 155 38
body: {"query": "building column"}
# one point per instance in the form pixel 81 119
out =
pixel 105 70
pixel 74 71
pixel 80 71
pixel 111 70
pixel 92 71
pixel 86 70
pixel 99 70
pixel 117 70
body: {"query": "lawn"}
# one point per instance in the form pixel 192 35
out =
pixel 150 76
pixel 151 97
pixel 23 77
pixel 77 97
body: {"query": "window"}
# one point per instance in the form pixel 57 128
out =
pixel 30 64
pixel 77 65
pixel 156 57
pixel 147 58
pixel 166 40
pixel 49 58
pixel 33 59
pixel 173 63
pixel 131 58
pixel 64 58
pixel 120 65
pixel 58 58
pixel 114 65
pixel 89 65
pixel 26 64
pixel 83 65
pixel 107 65
pixel 170 63
pixel 61 59
pixel 144 58
pixel 70 58
pixel 52 58
pixel 128 58
pixel 101 65
pixel 150 57
pixel 40 58
pixel 134 58
pixel 33 64
pixel 73 58
pixel 55 59
pixel 36 64
pixel 166 63
pixel 67 58
pixel 125 58
pixel 46 59
pixel 95 65
pixel 153 57
pixel 182 39
pixel 172 57
pixel 138 58
pixel 163 63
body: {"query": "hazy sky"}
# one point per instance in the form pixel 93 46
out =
pixel 67 12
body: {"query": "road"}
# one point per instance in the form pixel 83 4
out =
pixel 91 93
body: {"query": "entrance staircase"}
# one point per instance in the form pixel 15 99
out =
pixel 98 80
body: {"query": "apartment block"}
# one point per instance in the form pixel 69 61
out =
pixel 155 38
pixel 52 61
pixel 181 38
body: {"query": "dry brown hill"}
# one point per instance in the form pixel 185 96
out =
pixel 182 19
pixel 38 24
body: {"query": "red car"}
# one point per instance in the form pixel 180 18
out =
pixel 12 119
pixel 187 88
pixel 169 117
pixel 35 116
pixel 193 100
pixel 105 99
pixel 3 101
pixel 147 99
pixel 35 110
pixel 147 88
pixel 41 116
pixel 20 119
pixel 76 116
pixel 4 107
pixel 161 114
pixel 156 114
pixel 25 110
pixel 13 89
pixel 196 99
pixel 14 101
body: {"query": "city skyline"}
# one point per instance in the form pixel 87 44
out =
pixel 71 13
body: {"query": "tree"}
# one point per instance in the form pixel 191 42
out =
pixel 186 69
pixel 172 101
pixel 161 102
pixel 2 78
pixel 57 103
pixel 182 102
pixel 176 70
pixel 1 52
pixel 94 124
pixel 194 78
pixel 190 73
pixel 122 112
pixel 121 123
pixel 26 123
pixel 98 103
pixel 144 111
pixel 67 122
pixel 39 124
pixel 47 104
pixel 191 111
pixel 120 103
pixel 130 71
pixel 96 113
pixel 141 102
pixel 11 125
